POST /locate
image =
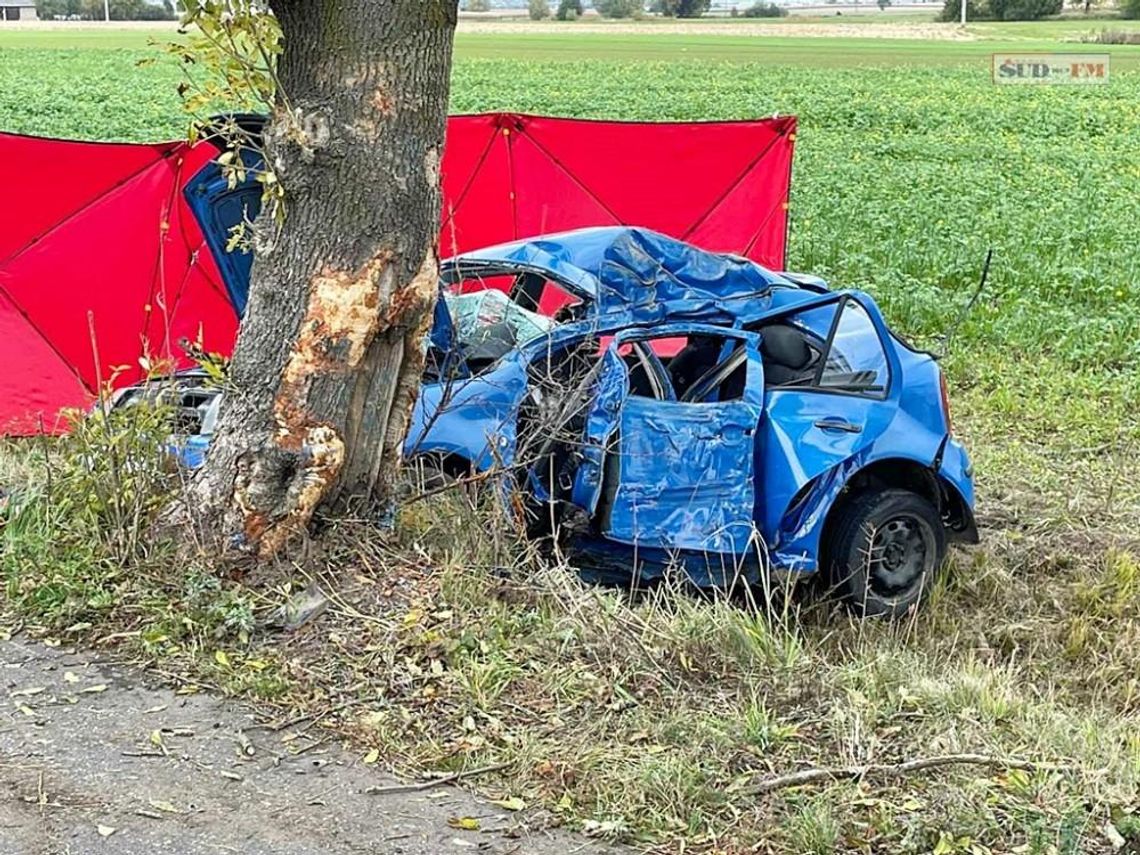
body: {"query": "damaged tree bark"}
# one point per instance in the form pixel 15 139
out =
pixel 328 360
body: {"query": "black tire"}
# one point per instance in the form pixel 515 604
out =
pixel 886 551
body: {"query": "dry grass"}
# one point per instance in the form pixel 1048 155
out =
pixel 450 644
pixel 1112 37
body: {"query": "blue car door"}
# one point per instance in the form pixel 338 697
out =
pixel 668 473
pixel 828 416
pixel 221 203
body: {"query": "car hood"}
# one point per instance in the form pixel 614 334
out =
pixel 633 272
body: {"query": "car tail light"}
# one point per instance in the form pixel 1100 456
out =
pixel 945 401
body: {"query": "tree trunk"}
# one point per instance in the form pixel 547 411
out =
pixel 328 360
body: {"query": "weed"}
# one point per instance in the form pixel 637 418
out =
pixel 813 827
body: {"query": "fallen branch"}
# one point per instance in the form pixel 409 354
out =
pixel 895 770
pixel 316 716
pixel 434 782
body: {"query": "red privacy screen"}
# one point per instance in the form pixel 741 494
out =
pixel 103 263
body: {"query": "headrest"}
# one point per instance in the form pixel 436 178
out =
pixel 785 345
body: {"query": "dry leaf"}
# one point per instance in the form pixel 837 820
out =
pixel 467 823
pixel 92 690
pixel 513 803
pixel 1115 838
pixel 164 806
pixel 25 693
pixel 26 710
pixel 72 677
pixel 105 830
pixel 221 658
pixel 372 756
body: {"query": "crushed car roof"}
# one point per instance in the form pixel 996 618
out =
pixel 638 272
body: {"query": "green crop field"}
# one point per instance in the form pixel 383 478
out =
pixel 910 164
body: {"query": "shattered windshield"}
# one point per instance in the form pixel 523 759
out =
pixel 488 324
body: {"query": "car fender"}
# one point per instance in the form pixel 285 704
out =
pixel 799 537
pixel 475 419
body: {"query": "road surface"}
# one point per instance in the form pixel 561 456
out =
pixel 94 759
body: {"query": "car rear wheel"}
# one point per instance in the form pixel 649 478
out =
pixel 887 549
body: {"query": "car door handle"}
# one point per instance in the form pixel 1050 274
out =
pixel 839 425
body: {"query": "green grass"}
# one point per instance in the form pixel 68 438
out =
pixel 649 720
pixel 806 51
pixel 672 45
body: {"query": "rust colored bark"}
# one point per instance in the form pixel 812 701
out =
pixel 328 359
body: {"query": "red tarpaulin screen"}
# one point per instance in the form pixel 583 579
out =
pixel 102 262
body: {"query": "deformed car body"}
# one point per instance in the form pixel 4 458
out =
pixel 732 421
pixel 693 411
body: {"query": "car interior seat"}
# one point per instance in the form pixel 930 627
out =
pixel 788 358
pixel 689 363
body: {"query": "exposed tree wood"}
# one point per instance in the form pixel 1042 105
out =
pixel 328 359
pixel 895 770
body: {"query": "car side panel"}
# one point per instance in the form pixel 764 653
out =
pixel 795 450
pixel 683 467
pixel 474 418
pixel 908 425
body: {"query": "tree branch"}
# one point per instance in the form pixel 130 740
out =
pixel 435 782
pixel 896 770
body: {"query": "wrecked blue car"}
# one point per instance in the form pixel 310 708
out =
pixel 694 411
pixel 663 410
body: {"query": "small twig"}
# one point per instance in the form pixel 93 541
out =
pixel 42 796
pixel 895 770
pixel 434 782
pixel 311 746
pixel 317 716
pixel 245 747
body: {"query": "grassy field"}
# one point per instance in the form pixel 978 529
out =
pixel 652 722
pixel 737 44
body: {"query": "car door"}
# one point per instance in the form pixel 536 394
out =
pixel 818 422
pixel 674 474
pixel 221 205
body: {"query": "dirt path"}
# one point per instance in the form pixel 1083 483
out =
pixel 92 760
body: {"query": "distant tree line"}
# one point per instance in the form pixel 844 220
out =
pixel 619 8
pixel 764 10
pixel 121 10
pixel 680 8
pixel 569 10
pixel 1000 10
